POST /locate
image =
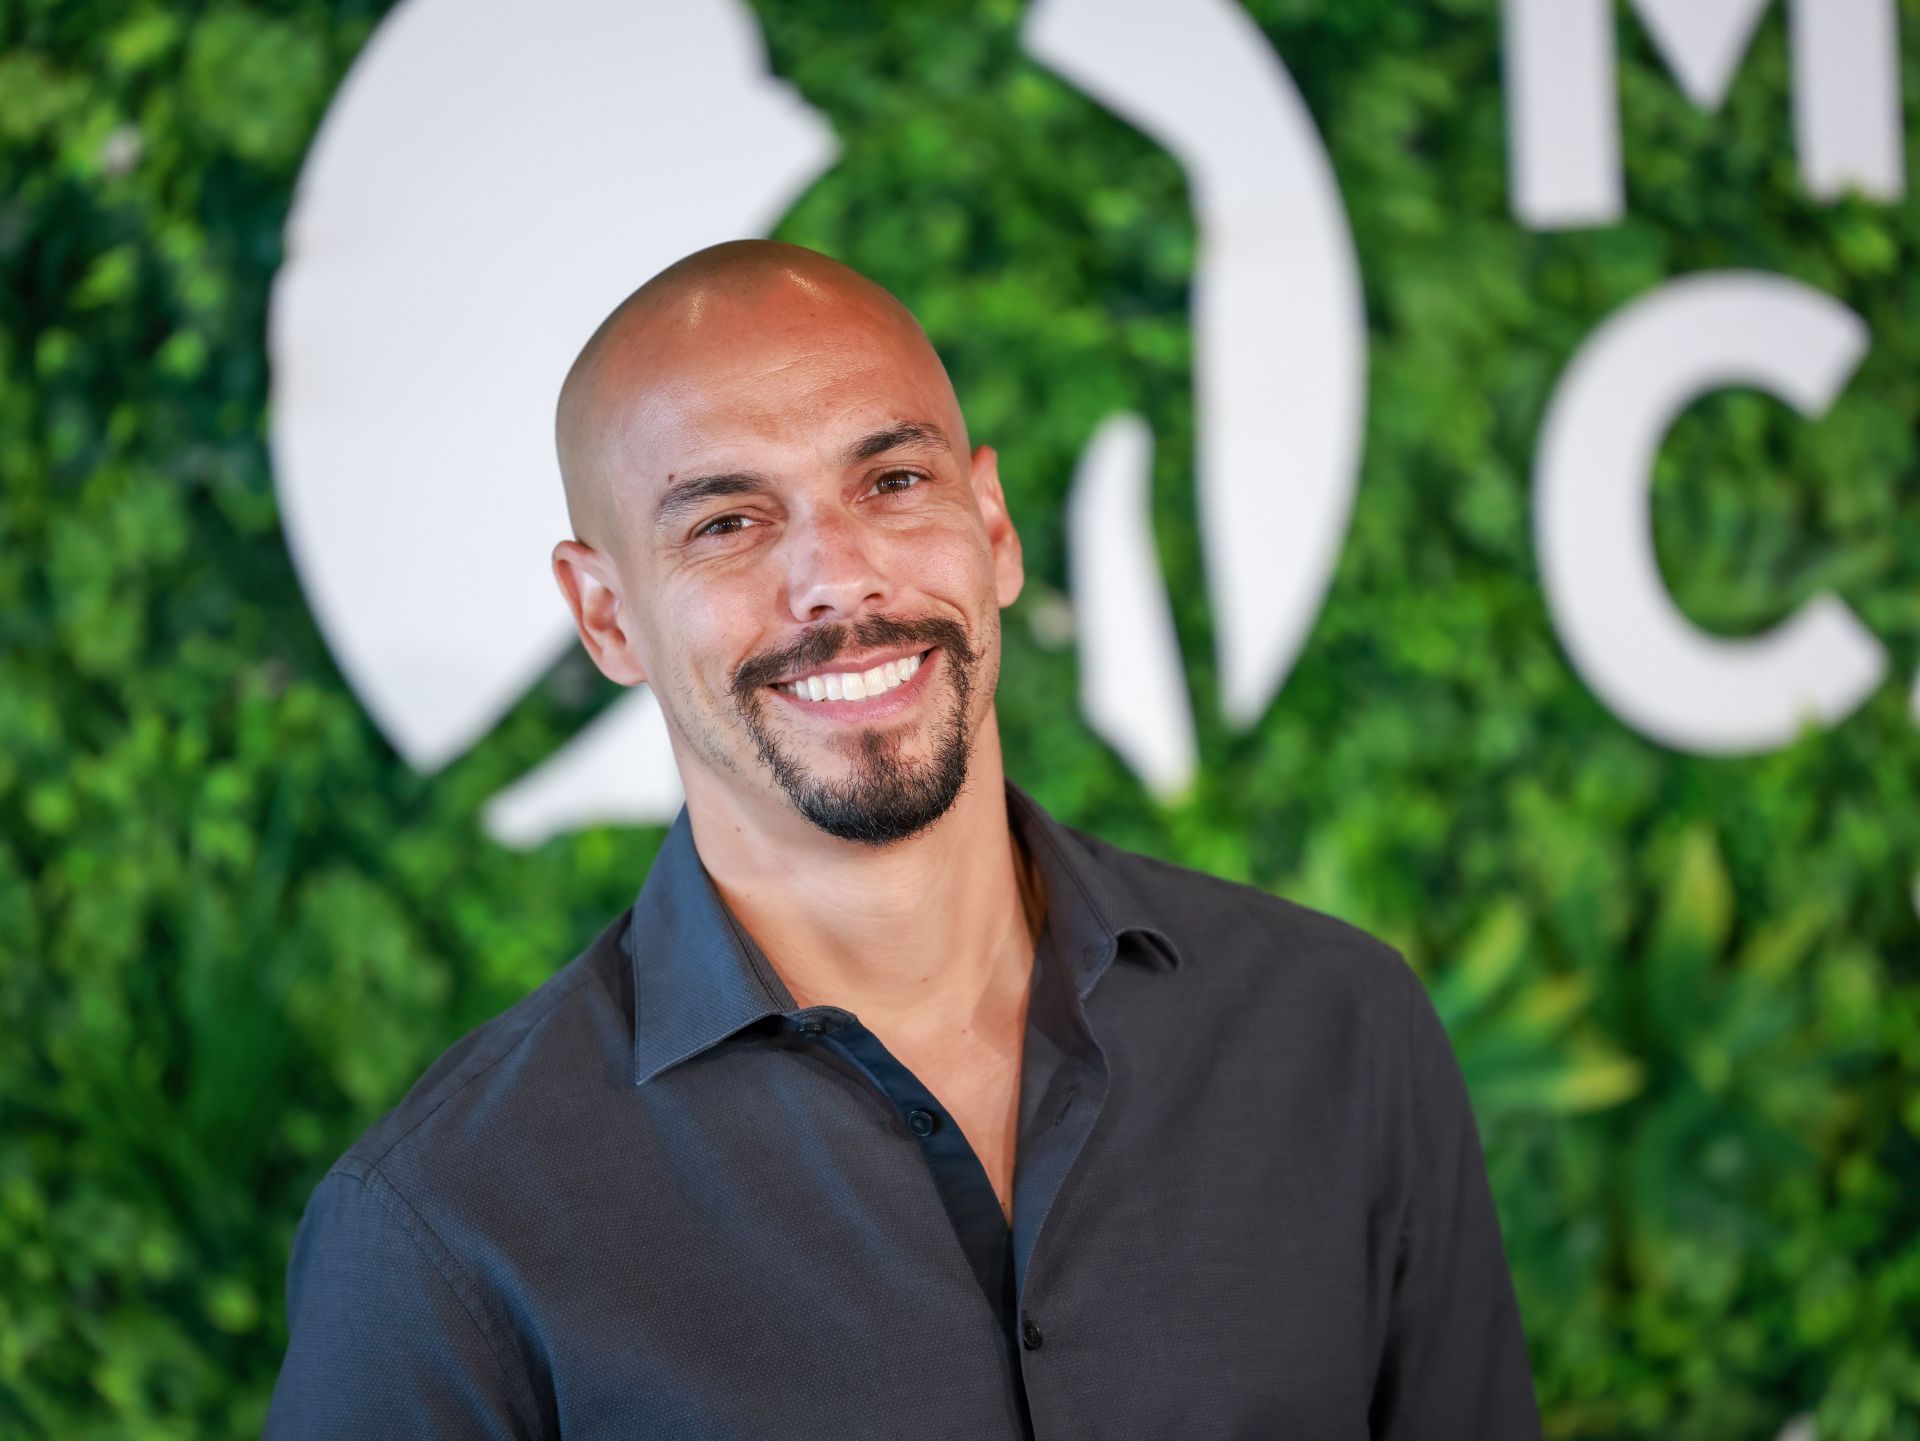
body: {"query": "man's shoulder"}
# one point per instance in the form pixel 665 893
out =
pixel 1231 931
pixel 497 1079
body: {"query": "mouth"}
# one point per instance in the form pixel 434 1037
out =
pixel 884 687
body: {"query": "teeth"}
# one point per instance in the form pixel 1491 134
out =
pixel 855 685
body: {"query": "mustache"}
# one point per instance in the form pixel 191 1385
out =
pixel 832 639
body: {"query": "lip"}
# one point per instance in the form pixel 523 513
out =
pixel 857 662
pixel 891 704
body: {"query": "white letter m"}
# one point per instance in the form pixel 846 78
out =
pixel 1563 102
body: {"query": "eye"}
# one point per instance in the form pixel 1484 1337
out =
pixel 909 479
pixel 725 525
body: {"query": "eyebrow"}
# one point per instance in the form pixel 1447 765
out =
pixel 908 434
pixel 682 496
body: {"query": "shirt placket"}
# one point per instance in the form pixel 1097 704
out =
pixel 1064 1056
pixel 958 1175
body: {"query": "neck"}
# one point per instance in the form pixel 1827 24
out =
pixel 918 938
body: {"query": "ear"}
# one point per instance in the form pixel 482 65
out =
pixel 591 586
pixel 1009 568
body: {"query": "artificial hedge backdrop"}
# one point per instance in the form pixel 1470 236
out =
pixel 1685 991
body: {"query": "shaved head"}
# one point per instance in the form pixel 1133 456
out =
pixel 656 341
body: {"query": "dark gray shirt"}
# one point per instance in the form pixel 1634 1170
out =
pixel 657 1199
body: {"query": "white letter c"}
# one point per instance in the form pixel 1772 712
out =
pixel 1593 520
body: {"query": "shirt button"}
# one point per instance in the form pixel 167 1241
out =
pixel 1030 1336
pixel 922 1123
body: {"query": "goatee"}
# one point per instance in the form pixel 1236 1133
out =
pixel 885 798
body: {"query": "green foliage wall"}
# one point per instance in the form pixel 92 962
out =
pixel 233 926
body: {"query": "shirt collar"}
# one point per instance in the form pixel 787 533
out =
pixel 699 978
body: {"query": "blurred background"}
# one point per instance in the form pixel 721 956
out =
pixel 1465 455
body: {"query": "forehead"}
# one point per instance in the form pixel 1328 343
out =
pixel 801 383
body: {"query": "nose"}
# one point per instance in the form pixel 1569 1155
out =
pixel 833 571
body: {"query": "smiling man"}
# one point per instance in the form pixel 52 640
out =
pixel 893 1106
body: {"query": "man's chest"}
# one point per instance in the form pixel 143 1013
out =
pixel 785 1265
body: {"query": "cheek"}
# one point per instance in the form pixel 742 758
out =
pixel 700 631
pixel 951 564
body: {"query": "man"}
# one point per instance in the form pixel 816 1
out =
pixel 892 1107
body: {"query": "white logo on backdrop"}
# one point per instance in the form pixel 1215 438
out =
pixel 495 174
pixel 488 184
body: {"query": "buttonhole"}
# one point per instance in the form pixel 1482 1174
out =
pixel 1067 1104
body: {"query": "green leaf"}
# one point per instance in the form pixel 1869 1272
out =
pixel 1488 959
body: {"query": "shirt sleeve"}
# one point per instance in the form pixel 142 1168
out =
pixel 1455 1364
pixel 381 1343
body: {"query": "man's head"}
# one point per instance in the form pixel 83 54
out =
pixel 770 483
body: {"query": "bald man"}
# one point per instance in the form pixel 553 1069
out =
pixel 893 1107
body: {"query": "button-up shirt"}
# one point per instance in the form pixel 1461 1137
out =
pixel 658 1199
